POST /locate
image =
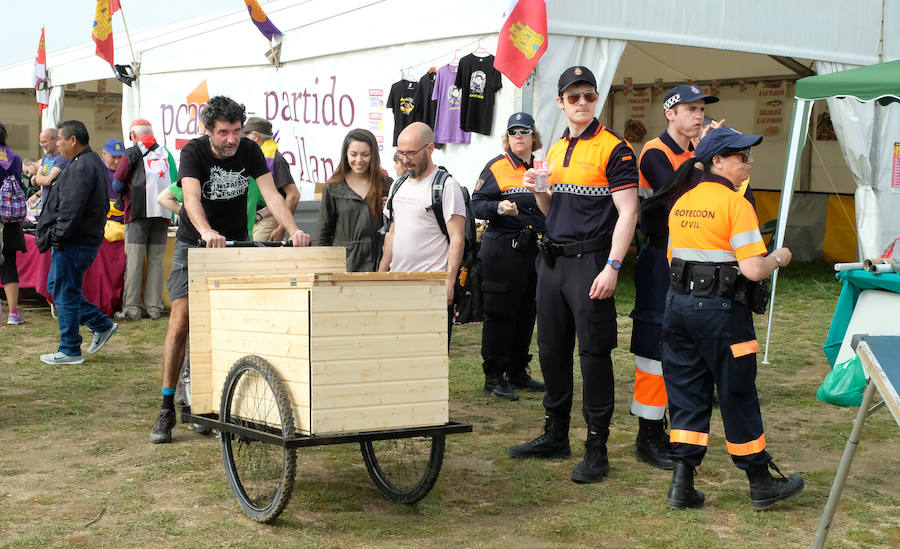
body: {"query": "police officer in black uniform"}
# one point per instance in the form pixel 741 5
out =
pixel 591 210
pixel 508 252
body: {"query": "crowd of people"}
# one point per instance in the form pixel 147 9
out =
pixel 553 245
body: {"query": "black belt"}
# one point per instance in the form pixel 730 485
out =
pixel 556 249
pixel 657 240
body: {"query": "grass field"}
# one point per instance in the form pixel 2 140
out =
pixel 77 470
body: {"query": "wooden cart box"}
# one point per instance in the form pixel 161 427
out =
pixel 357 352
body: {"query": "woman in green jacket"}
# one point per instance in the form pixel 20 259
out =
pixel 350 211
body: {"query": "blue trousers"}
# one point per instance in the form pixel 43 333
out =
pixel 67 267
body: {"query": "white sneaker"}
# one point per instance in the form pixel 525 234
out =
pixel 100 339
pixel 60 358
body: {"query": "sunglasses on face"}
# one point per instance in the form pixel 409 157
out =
pixel 519 131
pixel 745 155
pixel 590 97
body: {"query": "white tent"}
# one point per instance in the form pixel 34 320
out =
pixel 338 60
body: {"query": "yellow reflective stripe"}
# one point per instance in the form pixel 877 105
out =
pixel 747 448
pixel 745 348
pixel 689 437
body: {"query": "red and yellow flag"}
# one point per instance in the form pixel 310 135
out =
pixel 102 32
pixel 41 90
pixel 523 40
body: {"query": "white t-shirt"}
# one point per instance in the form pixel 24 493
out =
pixel 419 245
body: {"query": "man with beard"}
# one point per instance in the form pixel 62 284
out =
pixel 415 240
pixel 214 174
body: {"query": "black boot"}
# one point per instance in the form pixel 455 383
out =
pixel 595 465
pixel 681 492
pixel 521 380
pixel 766 490
pixel 652 443
pixel 498 386
pixel 553 443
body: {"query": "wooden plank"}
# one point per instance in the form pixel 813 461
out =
pixel 380 277
pixel 363 297
pixel 260 282
pixel 288 369
pixel 294 299
pixel 377 322
pixel 259 321
pixel 384 417
pixel 364 395
pixel 379 369
pixel 363 347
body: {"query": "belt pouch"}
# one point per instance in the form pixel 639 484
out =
pixel 703 280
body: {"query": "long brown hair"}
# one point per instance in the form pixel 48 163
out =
pixel 377 180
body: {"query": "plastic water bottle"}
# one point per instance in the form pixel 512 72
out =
pixel 541 182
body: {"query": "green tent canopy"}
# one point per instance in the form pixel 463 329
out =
pixel 863 83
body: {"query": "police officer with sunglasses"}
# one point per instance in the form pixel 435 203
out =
pixel 591 211
pixel 508 252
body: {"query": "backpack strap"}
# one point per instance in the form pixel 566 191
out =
pixel 437 199
pixel 395 186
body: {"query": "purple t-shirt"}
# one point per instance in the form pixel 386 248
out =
pixel 449 98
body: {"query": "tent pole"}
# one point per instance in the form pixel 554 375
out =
pixel 799 126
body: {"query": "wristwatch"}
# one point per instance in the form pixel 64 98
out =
pixel 500 210
pixel 615 263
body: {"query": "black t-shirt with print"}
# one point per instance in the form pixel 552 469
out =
pixel 479 81
pixel 402 100
pixel 224 183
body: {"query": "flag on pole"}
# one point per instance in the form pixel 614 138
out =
pixel 41 89
pixel 523 40
pixel 102 32
pixel 261 20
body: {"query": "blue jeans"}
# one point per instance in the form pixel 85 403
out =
pixel 67 267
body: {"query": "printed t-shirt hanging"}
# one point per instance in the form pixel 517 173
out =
pixel 402 100
pixel 479 81
pixel 449 101
pixel 425 105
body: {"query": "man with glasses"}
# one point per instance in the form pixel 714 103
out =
pixel 684 108
pixel 415 241
pixel 591 211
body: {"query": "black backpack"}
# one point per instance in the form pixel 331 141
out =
pixel 467 294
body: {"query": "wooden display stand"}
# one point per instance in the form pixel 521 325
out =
pixel 357 351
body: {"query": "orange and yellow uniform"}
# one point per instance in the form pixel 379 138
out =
pixel 708 335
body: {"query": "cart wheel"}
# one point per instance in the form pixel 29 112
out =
pixel 404 469
pixel 261 475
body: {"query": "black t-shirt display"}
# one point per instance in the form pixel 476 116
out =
pixel 224 183
pixel 402 100
pixel 479 81
pixel 426 108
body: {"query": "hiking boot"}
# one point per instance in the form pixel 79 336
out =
pixel 652 444
pixel 681 492
pixel 595 465
pixel 14 319
pixel 524 382
pixel 553 442
pixel 499 387
pixel 162 429
pixel 60 358
pixel 766 490
pixel 100 339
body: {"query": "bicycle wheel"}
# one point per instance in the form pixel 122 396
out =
pixel 404 469
pixel 261 475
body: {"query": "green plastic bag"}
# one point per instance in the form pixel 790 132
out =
pixel 844 385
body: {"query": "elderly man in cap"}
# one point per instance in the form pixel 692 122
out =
pixel 591 210
pixel 144 171
pixel 259 130
pixel 684 107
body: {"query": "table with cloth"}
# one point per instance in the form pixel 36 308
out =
pixel 855 281
pixel 103 281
